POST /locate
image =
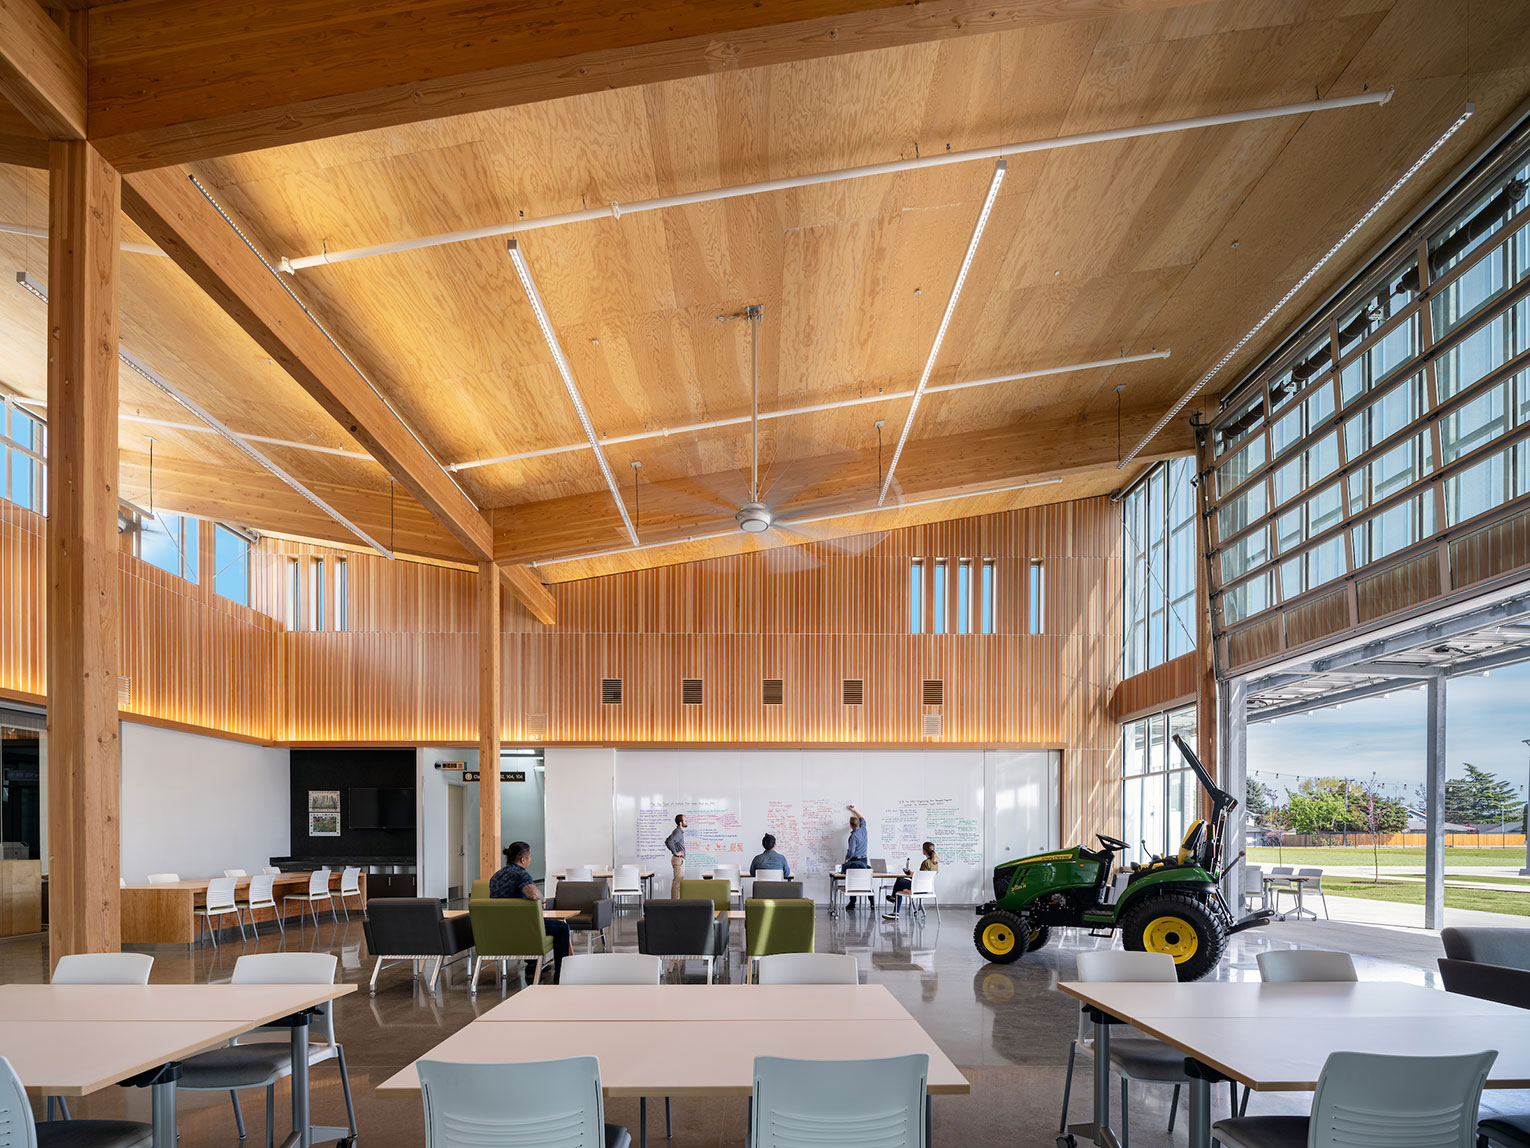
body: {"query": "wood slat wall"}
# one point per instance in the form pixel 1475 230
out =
pixel 406 670
pixel 1171 684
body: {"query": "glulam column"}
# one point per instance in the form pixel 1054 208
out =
pixel 490 669
pixel 82 597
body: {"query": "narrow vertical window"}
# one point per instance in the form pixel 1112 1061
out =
pixel 1038 597
pixel 938 598
pixel 342 595
pixel 316 606
pixel 916 596
pixel 964 596
pixel 988 577
pixel 294 593
pixel 231 565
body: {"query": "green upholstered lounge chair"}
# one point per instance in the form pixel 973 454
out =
pixel 508 929
pixel 772 927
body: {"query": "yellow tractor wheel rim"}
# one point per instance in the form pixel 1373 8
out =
pixel 1034 937
pixel 998 939
pixel 1172 935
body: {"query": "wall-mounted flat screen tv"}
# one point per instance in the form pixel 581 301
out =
pixel 379 809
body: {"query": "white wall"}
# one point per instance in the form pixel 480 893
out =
pixel 197 805
pixel 435 866
pixel 581 789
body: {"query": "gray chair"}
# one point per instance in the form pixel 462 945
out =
pixel 1504 1132
pixel 777 891
pixel 680 931
pixel 1486 982
pixel 1507 947
pixel 592 899
pixel 413 929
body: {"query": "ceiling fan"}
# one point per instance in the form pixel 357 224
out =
pixel 754 517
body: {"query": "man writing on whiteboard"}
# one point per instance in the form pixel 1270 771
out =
pixel 675 843
pixel 855 850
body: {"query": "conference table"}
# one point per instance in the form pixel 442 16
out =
pixel 167 913
pixel 74 1040
pixel 1276 1037
pixel 690 1040
pixel 644 875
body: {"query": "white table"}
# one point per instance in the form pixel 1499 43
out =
pixel 644 1050
pixel 73 1040
pixel 1276 1038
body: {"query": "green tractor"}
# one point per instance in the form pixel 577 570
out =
pixel 1170 905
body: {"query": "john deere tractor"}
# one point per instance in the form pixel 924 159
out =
pixel 1170 905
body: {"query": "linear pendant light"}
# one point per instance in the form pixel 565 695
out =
pixel 813 408
pixel 616 210
pixel 945 322
pixel 1465 115
pixel 518 257
pixel 215 424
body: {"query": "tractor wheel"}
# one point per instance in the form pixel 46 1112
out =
pixel 1039 938
pixel 1180 925
pixel 998 937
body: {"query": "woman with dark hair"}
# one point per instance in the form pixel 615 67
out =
pixel 931 863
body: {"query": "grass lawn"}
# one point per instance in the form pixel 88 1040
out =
pixel 1468 875
pixel 1361 855
pixel 1412 893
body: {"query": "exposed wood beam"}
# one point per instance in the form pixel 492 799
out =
pixel 490 669
pixel 172 81
pixel 532 593
pixel 168 206
pixel 82 603
pixel 21 143
pixel 812 487
pixel 41 71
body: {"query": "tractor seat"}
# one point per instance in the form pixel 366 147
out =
pixel 1195 849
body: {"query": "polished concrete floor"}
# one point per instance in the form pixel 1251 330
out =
pixel 1007 1027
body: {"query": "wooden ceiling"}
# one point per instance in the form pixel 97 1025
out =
pixel 1175 242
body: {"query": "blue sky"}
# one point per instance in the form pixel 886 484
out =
pixel 1486 720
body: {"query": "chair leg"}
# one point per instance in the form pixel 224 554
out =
pixel 238 1112
pixel 1062 1124
pixel 473 981
pixel 280 923
pixel 1173 1107
pixel 435 972
pixel 669 1123
pixel 1243 1108
pixel 270 1116
pixel 345 1090
pixel 376 971
pixel 642 1122
pixel 1126 1124
pixel 238 916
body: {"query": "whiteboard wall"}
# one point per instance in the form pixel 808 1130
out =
pixel 733 797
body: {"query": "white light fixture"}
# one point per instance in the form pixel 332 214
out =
pixel 754 518
pixel 217 426
pixel 518 257
pixel 814 408
pixel 945 322
pixel 1300 283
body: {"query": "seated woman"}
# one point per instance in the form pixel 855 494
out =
pixel 931 863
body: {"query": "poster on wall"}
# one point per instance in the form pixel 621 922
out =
pixel 323 801
pixel 323 824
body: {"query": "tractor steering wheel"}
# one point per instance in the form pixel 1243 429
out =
pixel 1112 843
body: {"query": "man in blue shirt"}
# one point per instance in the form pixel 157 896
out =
pixel 855 850
pixel 675 843
pixel 770 859
pixel 514 880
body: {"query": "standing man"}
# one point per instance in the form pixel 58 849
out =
pixel 855 850
pixel 514 880
pixel 675 843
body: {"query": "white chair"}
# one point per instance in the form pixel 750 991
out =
pixel 1286 965
pixel 103 969
pixel 235 873
pixel 1278 881
pixel 98 969
pixel 627 883
pixel 580 873
pixel 921 889
pixel 260 895
pixel 350 886
pixel 730 874
pixel 163 878
pixel 1371 1098
pixel 1253 887
pixel 769 875
pixel 555 1102
pixel 611 969
pixel 1134 1056
pixel 879 1102
pixel 21 1131
pixel 219 903
pixel 858 883
pixel 1308 882
pixel 261 1058
pixel 271 871
pixel 318 890
pixel 807 969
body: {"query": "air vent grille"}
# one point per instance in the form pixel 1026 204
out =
pixel 610 691
pixel 933 725
pixel 690 691
pixel 124 691
pixel 772 692
pixel 854 691
pixel 934 691
pixel 536 727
